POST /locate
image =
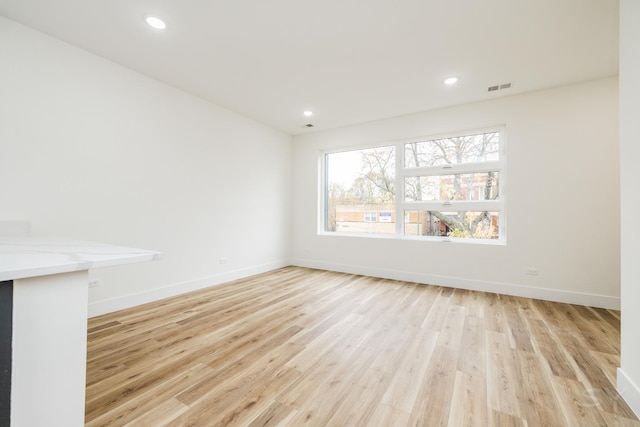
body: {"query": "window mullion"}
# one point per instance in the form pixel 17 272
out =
pixel 399 183
pixel 483 205
pixel 453 170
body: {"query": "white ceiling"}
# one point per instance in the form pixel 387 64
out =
pixel 349 61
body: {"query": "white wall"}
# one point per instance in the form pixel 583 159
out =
pixel 562 201
pixel 91 150
pixel 629 373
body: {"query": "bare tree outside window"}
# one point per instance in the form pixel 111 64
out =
pixel 360 183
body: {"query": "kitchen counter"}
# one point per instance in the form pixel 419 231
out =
pixel 31 256
pixel 43 325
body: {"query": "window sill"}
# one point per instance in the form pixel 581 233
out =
pixel 454 240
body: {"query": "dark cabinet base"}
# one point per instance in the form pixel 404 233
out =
pixel 6 335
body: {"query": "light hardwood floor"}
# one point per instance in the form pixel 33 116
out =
pixel 300 347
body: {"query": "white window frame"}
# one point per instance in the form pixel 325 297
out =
pixel 401 172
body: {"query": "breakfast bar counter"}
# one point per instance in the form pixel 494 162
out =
pixel 43 325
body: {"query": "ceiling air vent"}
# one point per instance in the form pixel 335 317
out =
pixel 499 87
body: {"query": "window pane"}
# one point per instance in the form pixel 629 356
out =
pixel 370 216
pixel 468 186
pixel 463 224
pixel 482 147
pixel 360 191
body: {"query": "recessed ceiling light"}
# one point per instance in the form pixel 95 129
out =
pixel 308 113
pixel 156 23
pixel 451 81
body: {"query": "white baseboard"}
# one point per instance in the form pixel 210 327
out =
pixel 108 306
pixel 629 391
pixel 579 298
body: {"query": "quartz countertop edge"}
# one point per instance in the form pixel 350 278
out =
pixel 32 256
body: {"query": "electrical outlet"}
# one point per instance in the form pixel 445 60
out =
pixel 531 271
pixel 93 283
pixel 222 260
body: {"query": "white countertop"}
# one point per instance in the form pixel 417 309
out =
pixel 30 256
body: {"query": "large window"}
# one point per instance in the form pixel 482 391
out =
pixel 449 188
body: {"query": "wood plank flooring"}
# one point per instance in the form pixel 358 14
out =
pixel 297 347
